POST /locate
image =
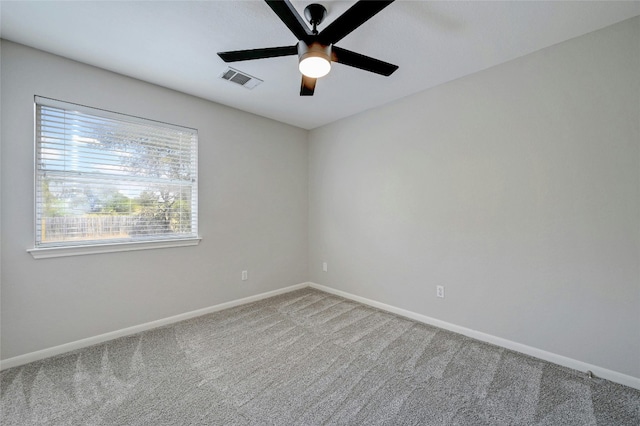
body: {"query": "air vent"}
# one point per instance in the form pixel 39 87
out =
pixel 241 78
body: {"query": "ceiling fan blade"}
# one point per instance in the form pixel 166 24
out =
pixel 287 13
pixel 269 52
pixel 355 16
pixel 308 86
pixel 353 59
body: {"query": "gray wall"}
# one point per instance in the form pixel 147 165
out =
pixel 253 212
pixel 517 188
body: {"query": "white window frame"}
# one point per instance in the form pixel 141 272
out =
pixel 110 245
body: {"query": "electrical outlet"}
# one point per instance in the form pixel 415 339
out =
pixel 440 291
pixel 325 267
pixel 245 275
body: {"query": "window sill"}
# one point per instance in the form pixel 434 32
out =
pixel 48 252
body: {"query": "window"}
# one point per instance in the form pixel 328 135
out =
pixel 108 181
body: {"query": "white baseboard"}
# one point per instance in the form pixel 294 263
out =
pixel 614 376
pixel 604 373
pixel 90 341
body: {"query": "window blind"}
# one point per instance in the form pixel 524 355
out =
pixel 104 177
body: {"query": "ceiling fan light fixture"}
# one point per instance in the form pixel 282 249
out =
pixel 316 50
pixel 314 60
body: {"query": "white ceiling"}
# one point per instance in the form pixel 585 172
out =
pixel 174 44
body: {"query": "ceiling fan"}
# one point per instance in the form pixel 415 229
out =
pixel 315 49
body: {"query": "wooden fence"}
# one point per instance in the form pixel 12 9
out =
pixel 87 227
